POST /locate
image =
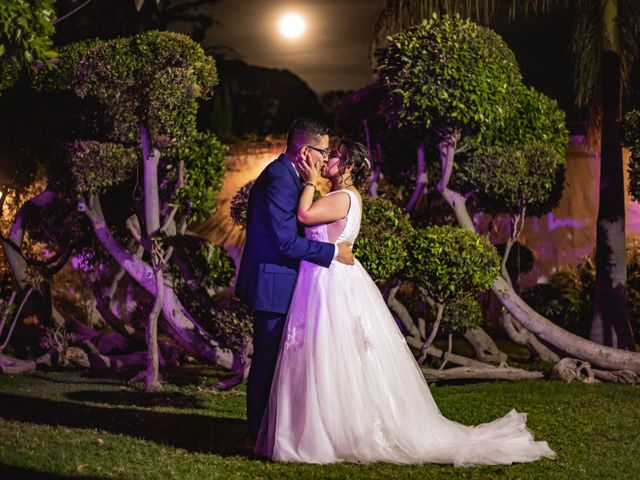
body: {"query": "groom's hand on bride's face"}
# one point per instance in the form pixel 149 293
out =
pixel 345 254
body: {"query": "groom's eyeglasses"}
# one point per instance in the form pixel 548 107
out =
pixel 323 151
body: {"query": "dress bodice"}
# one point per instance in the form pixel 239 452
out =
pixel 343 230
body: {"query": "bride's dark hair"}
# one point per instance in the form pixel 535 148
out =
pixel 355 156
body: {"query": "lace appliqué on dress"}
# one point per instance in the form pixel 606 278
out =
pixel 366 333
pixel 378 433
pixel 294 339
pixel 318 233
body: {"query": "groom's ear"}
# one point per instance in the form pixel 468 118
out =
pixel 302 151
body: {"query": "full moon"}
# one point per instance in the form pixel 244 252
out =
pixel 292 25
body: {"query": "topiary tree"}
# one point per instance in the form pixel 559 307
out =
pixel 457 79
pixel 516 167
pixel 140 97
pixel 452 77
pixel 449 264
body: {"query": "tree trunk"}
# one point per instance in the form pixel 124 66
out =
pixel 178 324
pixel 403 314
pixel 610 324
pixel 374 160
pixel 435 352
pixel 47 313
pixel 436 325
pixel 484 346
pixel 152 223
pixel 467 373
pixel 421 178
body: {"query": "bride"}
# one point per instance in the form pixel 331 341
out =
pixel 346 385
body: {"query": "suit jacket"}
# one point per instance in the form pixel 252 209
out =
pixel 274 246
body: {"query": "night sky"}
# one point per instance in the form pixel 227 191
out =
pixel 332 55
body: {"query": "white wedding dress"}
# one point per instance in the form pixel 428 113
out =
pixel 347 387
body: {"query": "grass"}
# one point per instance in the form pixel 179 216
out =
pixel 68 425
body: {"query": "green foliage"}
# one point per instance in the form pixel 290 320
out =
pixel 567 300
pixel 381 245
pixel 462 315
pixel 25 37
pixel 536 119
pixel 240 204
pixel 632 142
pixel 218 265
pixel 61 76
pixel 519 160
pixel 451 74
pixel 450 263
pixel 204 166
pixel 154 77
pixel 562 306
pixel 505 178
pixel 233 324
pixel 97 166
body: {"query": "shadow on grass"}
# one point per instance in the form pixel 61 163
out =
pixel 10 472
pixel 195 433
pixel 139 399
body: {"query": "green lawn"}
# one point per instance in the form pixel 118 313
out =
pixel 69 425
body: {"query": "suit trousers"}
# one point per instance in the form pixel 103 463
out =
pixel 267 333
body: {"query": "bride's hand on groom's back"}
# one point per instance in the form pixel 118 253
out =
pixel 345 254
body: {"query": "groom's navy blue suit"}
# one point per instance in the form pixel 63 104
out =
pixel 268 272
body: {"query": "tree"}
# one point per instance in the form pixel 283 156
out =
pixel 456 78
pixel 516 167
pixel 604 47
pixel 449 265
pixel 138 116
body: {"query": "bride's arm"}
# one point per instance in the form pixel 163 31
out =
pixel 324 210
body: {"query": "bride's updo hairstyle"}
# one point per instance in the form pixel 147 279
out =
pixel 356 155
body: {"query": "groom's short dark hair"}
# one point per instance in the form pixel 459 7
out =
pixel 305 130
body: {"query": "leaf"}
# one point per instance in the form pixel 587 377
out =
pixel 139 4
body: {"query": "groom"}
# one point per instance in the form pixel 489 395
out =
pixel 272 254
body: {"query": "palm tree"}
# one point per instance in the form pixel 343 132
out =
pixel 604 47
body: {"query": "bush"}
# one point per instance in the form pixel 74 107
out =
pixel 240 205
pixel 450 263
pixel 204 165
pixel 233 324
pixel 381 246
pixel 567 300
pixel 462 315
pixel 632 142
